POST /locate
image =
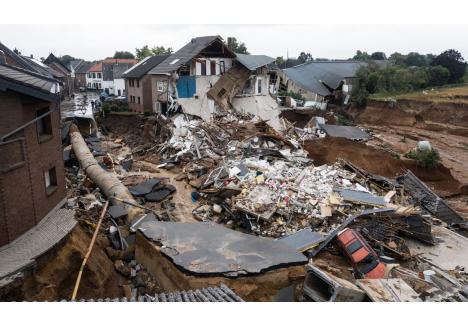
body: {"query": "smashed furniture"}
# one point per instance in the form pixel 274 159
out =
pixel 321 286
pixel 348 132
pixel 191 255
pixel 388 290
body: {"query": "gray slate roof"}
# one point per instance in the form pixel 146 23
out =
pixel 252 61
pixel 313 75
pixel 185 54
pixel 83 67
pixel 111 71
pixel 27 82
pixel 145 65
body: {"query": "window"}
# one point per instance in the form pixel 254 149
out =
pixel 44 125
pixel 161 86
pixel 138 83
pixel 222 67
pixel 203 68
pixel 89 75
pixel 138 100
pixel 99 85
pixel 99 75
pixel 89 85
pixel 119 92
pixel 173 62
pixel 259 86
pixel 50 180
pixel 94 75
pixel 212 67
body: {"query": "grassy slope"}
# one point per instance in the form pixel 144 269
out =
pixel 453 93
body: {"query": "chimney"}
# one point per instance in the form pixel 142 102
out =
pixel 2 57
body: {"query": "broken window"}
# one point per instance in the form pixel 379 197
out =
pixel 50 179
pixel 213 67
pixel 203 68
pixel 44 124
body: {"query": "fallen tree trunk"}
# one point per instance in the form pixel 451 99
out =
pixel 106 181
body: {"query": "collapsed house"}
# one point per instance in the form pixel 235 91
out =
pixel 321 81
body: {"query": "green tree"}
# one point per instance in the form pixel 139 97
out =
pixel 397 59
pixel 438 75
pixel 65 59
pixel 363 56
pixel 305 57
pixel 454 62
pixel 236 46
pixel 416 59
pixel 123 55
pixel 378 56
pixel 145 51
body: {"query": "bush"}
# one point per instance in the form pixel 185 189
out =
pixel 425 158
pixel 438 75
pixel 296 96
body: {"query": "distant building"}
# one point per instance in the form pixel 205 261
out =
pixel 112 70
pixel 60 72
pixel 32 180
pixel 94 78
pixel 81 72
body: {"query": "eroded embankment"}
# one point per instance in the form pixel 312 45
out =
pixel 329 150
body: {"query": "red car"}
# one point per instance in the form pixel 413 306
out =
pixel 365 261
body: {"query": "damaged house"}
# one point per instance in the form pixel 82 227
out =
pixel 184 78
pixel 321 81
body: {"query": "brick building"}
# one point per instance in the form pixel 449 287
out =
pixel 32 181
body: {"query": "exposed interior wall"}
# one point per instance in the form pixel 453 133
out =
pixel 263 106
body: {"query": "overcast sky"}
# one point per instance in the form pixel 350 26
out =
pixel 93 42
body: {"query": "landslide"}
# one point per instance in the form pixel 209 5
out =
pixel 329 150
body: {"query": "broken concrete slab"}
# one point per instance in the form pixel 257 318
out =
pixel 321 286
pixel 303 240
pixel 362 197
pixel 211 249
pixel 388 290
pixel 117 211
pixel 160 194
pixel 448 253
pixel 349 132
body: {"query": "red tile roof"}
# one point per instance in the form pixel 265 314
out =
pixel 112 60
pixel 96 67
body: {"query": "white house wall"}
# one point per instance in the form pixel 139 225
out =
pixel 119 84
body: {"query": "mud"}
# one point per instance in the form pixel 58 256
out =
pixel 54 277
pixel 329 150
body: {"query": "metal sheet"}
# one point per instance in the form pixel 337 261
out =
pixel 362 197
pixel 211 249
pixel 353 133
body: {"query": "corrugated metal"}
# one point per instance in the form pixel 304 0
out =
pixel 429 200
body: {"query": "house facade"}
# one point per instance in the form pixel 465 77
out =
pixel 140 87
pixel 113 70
pixel 60 72
pixel 32 179
pixel 81 72
pixel 94 78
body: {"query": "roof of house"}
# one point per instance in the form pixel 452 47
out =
pixel 314 75
pixel 83 67
pixel 39 67
pixel 111 71
pixel 28 82
pixel 74 63
pixel 53 59
pixel 19 60
pixel 122 61
pixel 145 65
pixel 187 53
pixel 252 61
pixel 97 67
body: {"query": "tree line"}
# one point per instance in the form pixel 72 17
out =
pixel 402 73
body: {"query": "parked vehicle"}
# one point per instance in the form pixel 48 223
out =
pixel 365 261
